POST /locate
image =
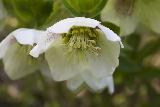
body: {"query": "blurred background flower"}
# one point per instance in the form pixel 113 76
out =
pixel 130 15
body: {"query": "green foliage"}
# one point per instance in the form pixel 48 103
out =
pixel 87 8
pixel 31 13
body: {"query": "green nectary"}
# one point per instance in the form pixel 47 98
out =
pixel 82 39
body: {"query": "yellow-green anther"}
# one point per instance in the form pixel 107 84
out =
pixel 82 39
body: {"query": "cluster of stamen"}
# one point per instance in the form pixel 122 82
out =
pixel 82 38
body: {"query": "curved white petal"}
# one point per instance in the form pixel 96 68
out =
pixel 74 83
pixel 5 44
pixel 27 36
pixel 36 51
pixel 110 14
pixel 64 26
pixel 62 67
pixel 98 84
pixel 110 34
pixel 110 84
pixel 44 42
pixel 102 66
pixel 106 62
pixel 23 36
pixel 18 63
pixel 128 25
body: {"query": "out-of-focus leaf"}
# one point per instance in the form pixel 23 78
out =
pixel 132 44
pixel 150 48
pixel 143 72
pixel 133 40
pixel 128 65
pixel 148 73
pixel 29 12
pixel 59 12
pixel 87 8
pixel 2 15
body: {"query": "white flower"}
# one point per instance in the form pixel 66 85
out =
pixel 14 50
pixel 133 15
pixel 81 50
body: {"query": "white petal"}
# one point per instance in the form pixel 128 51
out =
pixel 106 62
pixel 18 63
pixel 23 36
pixel 5 44
pixel 110 84
pixel 110 34
pixel 102 66
pixel 62 68
pixel 64 26
pixel 128 25
pixel 74 83
pixel 36 51
pixel 27 36
pixel 109 13
pixel 44 42
pixel 98 84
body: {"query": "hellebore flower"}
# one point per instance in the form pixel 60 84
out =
pixel 14 51
pixel 130 14
pixel 80 50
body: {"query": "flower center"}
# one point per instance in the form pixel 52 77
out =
pixel 83 39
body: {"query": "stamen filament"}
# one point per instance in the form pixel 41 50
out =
pixel 82 38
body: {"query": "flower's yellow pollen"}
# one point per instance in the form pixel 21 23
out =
pixel 82 38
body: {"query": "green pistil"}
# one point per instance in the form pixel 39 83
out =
pixel 83 39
